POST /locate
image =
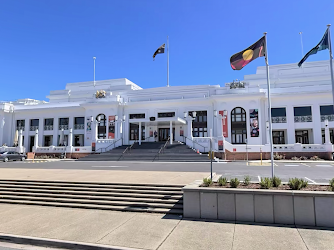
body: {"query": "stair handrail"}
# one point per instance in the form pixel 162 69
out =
pixel 162 148
pixel 105 149
pixel 127 148
pixel 195 142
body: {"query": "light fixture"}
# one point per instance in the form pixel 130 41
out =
pixel 91 119
pixel 124 117
pixel 267 124
pixel 215 113
pixel 326 123
pixel 225 113
pixel 194 114
pixel 116 117
pixel 99 118
pixel 185 114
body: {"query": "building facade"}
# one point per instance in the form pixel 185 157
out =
pixel 87 116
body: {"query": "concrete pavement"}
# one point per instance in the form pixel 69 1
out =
pixel 155 231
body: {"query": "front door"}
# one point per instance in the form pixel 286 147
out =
pixel 31 143
pixel 164 134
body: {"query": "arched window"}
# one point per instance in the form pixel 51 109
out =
pixel 238 126
pixel 102 126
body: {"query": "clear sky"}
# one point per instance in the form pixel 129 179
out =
pixel 45 44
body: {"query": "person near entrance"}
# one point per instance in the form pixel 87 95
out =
pixel 155 136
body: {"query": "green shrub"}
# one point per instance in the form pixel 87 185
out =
pixel 265 183
pixel 247 180
pixel 222 181
pixel 303 158
pixel 297 184
pixel 207 182
pixel 276 181
pixel 315 158
pixel 234 182
pixel 279 157
pixel 331 184
pixel 295 158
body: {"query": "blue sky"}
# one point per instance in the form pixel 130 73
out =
pixel 46 44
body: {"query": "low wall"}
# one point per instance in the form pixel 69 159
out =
pixel 68 155
pixel 263 206
pixel 266 155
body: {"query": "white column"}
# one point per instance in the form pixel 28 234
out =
pixel 41 131
pixel 20 138
pixel 139 133
pixel 55 131
pixel 35 141
pixel 189 127
pixel 94 131
pixel 171 132
pixel 327 134
pixel 219 127
pixel 70 138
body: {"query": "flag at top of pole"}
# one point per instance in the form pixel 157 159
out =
pixel 161 50
pixel 244 57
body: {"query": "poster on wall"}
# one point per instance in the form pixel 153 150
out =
pixel 88 128
pixel 220 145
pixel 254 122
pixel 224 122
pixel 111 125
pixel 181 132
pixel 151 133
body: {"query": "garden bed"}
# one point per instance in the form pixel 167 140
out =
pixel 311 187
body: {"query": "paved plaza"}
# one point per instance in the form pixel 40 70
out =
pixel 155 231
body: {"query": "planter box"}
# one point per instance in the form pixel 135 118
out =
pixel 259 205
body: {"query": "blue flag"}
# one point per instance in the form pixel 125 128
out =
pixel 324 44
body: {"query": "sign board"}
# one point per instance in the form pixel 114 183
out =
pixel 234 150
pixel 220 145
pixel 77 149
pixel 93 146
pixel 224 123
pixel 152 118
pixel 111 125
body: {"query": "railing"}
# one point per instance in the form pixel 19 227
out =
pixel 278 119
pixel 327 117
pixel 162 149
pixel 48 127
pixel 20 128
pixel 304 118
pixel 33 128
pixel 127 149
pixel 105 149
pixel 65 127
pixel 194 142
pixel 79 126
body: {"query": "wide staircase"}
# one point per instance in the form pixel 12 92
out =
pixel 108 196
pixel 150 151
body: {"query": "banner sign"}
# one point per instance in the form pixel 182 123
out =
pixel 181 132
pixel 224 123
pixel 254 122
pixel 88 128
pixel 220 145
pixel 93 146
pixel 111 123
pixel 151 133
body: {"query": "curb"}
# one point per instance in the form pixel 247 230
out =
pixel 42 242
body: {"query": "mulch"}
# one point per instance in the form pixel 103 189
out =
pixel 281 187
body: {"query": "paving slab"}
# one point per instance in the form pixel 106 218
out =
pixel 197 235
pixel 145 231
pixel 116 176
pixel 260 237
pixel 92 227
pixel 317 239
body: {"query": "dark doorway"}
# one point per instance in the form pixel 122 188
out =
pixel 31 143
pixel 164 134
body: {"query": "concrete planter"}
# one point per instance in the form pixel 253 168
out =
pixel 265 206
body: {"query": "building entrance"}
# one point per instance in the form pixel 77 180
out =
pixel 164 134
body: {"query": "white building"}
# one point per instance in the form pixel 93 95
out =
pixel 301 104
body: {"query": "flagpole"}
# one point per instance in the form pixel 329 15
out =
pixel 94 69
pixel 331 59
pixel 269 108
pixel 301 41
pixel 167 62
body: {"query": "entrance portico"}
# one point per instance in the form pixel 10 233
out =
pixel 166 128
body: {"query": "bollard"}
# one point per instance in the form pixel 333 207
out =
pixel 261 158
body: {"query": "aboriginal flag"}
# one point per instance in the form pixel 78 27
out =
pixel 241 59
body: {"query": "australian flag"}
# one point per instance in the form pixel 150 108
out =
pixel 160 50
pixel 322 45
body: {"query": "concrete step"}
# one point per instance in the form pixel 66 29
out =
pixel 91 202
pixel 88 206
pixel 173 200
pixel 83 185
pixel 97 194
pixel 119 190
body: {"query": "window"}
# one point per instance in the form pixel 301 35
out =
pixel 330 136
pixel 200 126
pixel 20 124
pixel 48 122
pixel 79 120
pixel 238 126
pixel 102 126
pixel 301 136
pixel 63 121
pixel 134 132
pixel 326 110
pixel 278 137
pixel 168 114
pixel 34 124
pixel 276 112
pixel 48 140
pixel 137 116
pixel 303 114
